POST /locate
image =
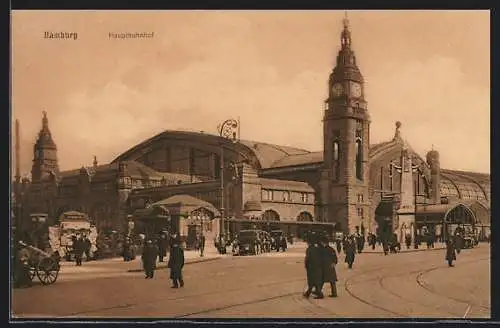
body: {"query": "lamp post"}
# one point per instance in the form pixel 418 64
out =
pixel 228 130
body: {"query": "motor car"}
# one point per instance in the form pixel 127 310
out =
pixel 248 242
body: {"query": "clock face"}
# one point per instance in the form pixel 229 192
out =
pixel 337 89
pixel 355 89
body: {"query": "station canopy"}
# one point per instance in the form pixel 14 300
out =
pixel 179 205
pixel 457 213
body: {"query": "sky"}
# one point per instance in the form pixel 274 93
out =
pixel 428 69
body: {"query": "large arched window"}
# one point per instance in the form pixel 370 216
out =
pixel 359 159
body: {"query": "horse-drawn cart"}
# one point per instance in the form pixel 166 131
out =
pixel 41 264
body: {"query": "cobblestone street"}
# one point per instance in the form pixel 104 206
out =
pixel 411 284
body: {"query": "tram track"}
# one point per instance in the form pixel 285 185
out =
pixel 422 284
pixel 420 273
pixel 310 307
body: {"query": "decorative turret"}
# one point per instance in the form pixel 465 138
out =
pixel 432 158
pixel 397 133
pixel 45 153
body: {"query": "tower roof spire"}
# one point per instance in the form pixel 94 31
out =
pixel 45 121
pixel 345 37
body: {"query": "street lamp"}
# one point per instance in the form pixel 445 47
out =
pixel 228 130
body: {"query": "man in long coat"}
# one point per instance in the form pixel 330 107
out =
pixel 149 254
pixel 314 268
pixel 78 249
pixel 350 251
pixel 202 244
pixel 162 247
pixel 329 260
pixel 450 253
pixel 176 263
pixel 458 242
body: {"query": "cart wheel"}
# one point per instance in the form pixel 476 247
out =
pixel 47 271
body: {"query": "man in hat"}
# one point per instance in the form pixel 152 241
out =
pixel 314 268
pixel 162 246
pixel 176 263
pixel 450 252
pixel 350 251
pixel 329 260
pixel 202 244
pixel 149 254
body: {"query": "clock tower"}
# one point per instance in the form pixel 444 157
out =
pixel 344 185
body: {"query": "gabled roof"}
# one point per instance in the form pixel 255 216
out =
pixel 134 170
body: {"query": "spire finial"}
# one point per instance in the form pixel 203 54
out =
pixel 345 20
pixel 345 37
pixel 432 147
pixel 397 133
pixel 45 121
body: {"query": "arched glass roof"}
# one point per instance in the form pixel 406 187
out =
pixel 448 189
pixel 466 186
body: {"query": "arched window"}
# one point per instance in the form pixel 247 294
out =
pixel 335 150
pixel 359 159
pixel 336 160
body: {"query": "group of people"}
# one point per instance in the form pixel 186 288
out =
pixel 81 245
pixel 347 242
pixel 151 252
pixel 320 263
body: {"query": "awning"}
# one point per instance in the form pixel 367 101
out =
pixel 73 215
pixel 184 205
pixel 250 214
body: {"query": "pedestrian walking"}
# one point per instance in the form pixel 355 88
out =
pixel 459 242
pixel 329 260
pixel 450 253
pixel 162 247
pixel 350 251
pixel 360 242
pixel 202 244
pixel 314 268
pixel 176 263
pixel 78 249
pixel 408 240
pixel 87 244
pixel 338 244
pixel 149 254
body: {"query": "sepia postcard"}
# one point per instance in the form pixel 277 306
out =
pixel 250 164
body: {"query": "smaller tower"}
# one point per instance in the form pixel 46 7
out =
pixel 45 153
pixel 433 162
pixel 95 162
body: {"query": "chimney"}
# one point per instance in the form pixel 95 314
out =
pixel 18 154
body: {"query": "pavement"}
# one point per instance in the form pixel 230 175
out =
pixel 116 266
pixel 405 285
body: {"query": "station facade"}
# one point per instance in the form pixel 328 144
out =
pixel 351 184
